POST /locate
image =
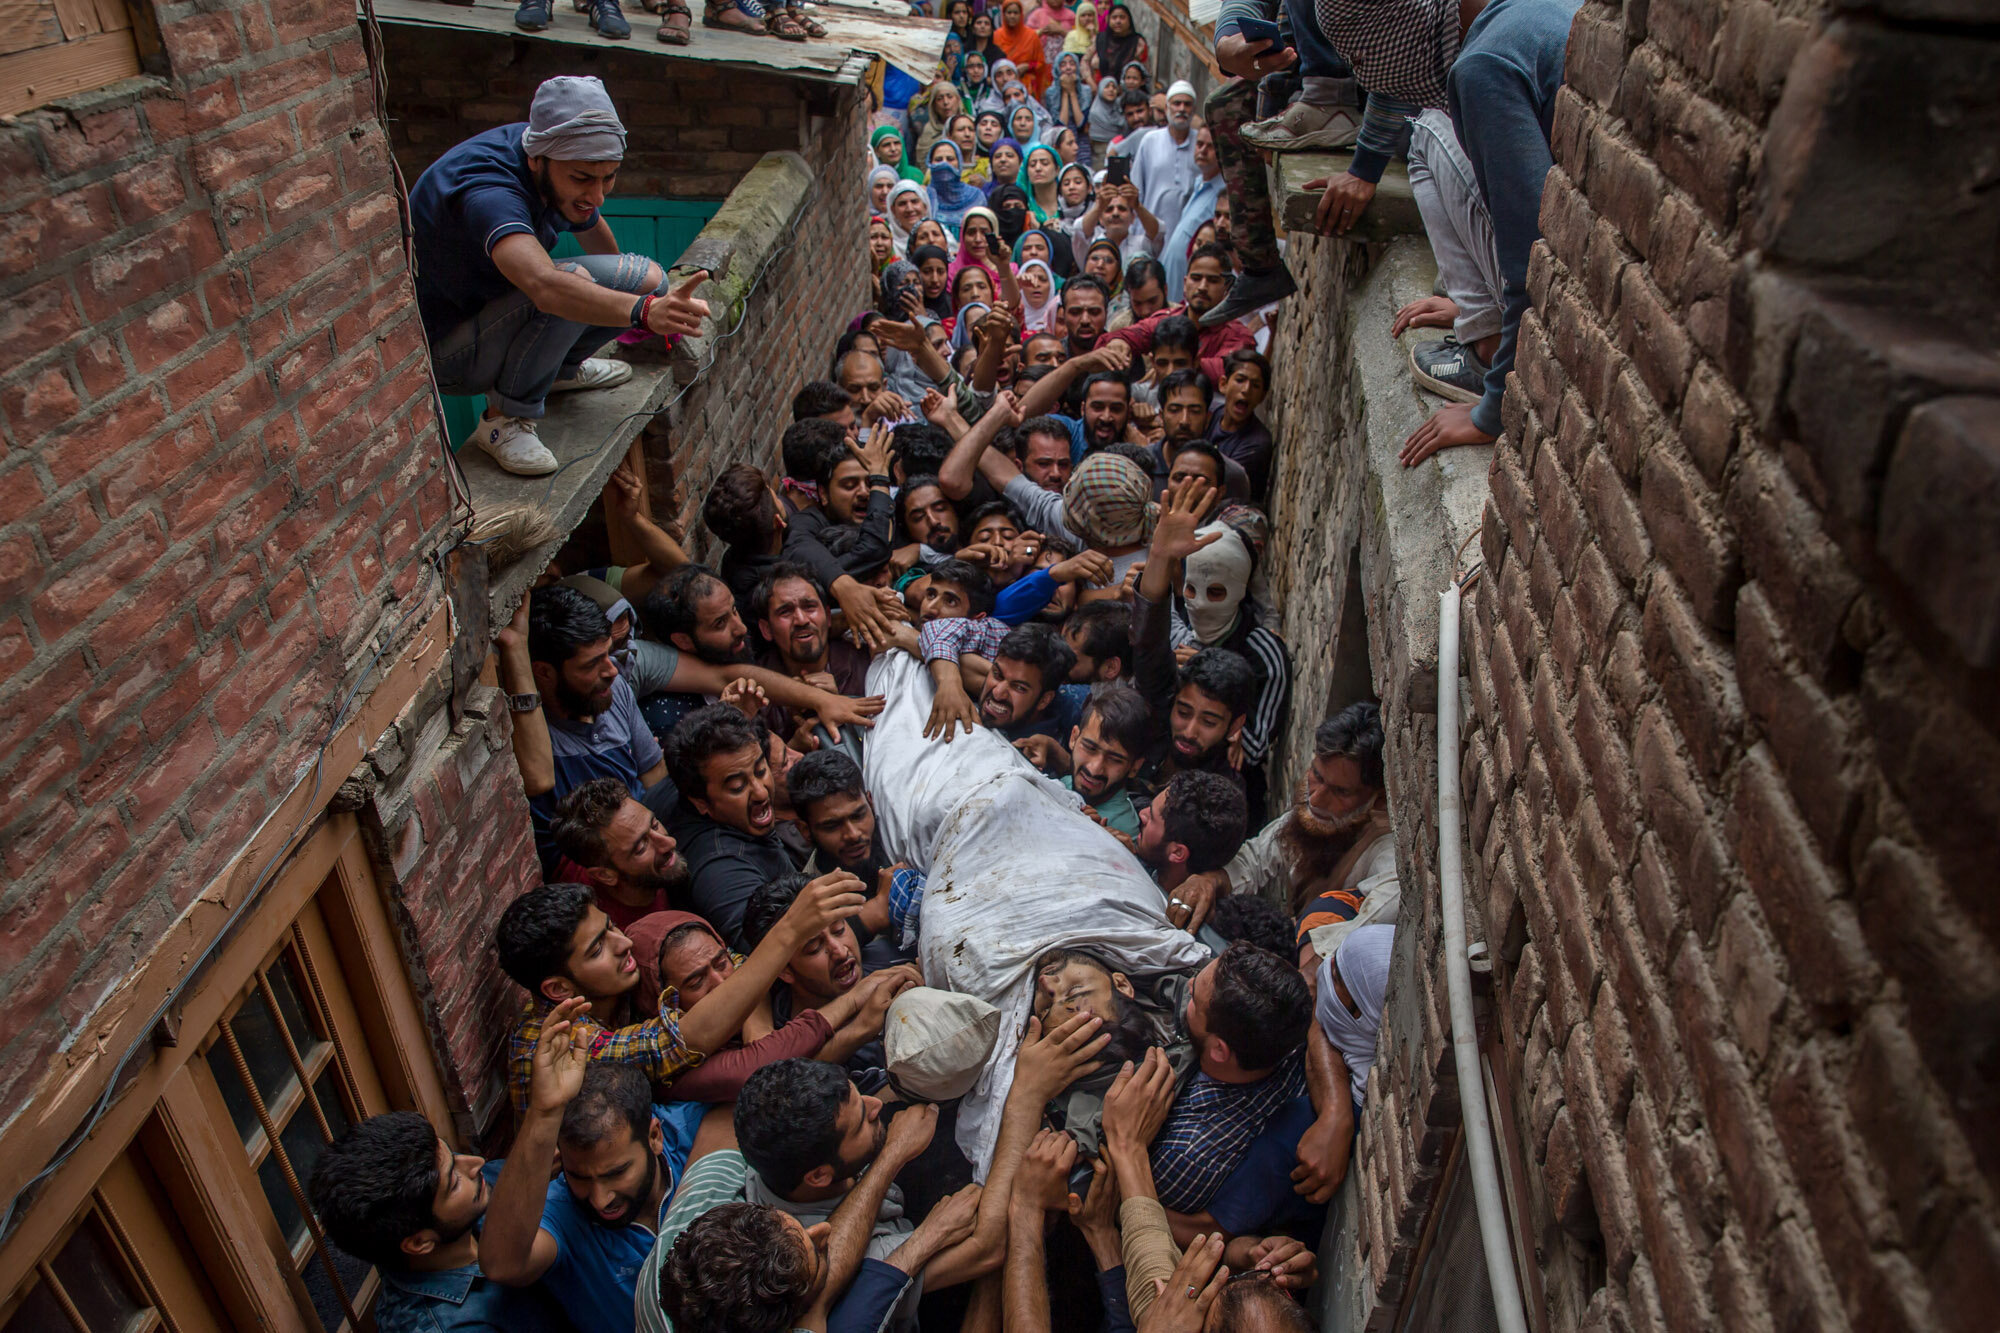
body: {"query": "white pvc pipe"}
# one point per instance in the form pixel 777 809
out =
pixel 1486 1197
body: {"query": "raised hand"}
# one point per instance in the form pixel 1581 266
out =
pixel 1174 533
pixel 680 312
pixel 1136 1104
pixel 561 1055
pixel 875 452
pixel 1049 1062
pixel 823 901
pixel 1181 1303
pixel 745 695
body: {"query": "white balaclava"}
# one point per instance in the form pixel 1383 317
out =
pixel 1214 582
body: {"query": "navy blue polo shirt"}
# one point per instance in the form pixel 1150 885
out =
pixel 462 205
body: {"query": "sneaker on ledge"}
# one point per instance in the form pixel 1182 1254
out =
pixel 1449 368
pixel 513 444
pixel 609 20
pixel 1303 125
pixel 1252 291
pixel 534 15
pixel 597 372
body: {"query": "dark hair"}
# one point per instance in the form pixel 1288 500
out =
pixel 1355 732
pixel 1206 449
pixel 583 815
pixel 1248 356
pixel 767 903
pixel 980 513
pixel 1213 251
pixel 973 581
pixel 1091 381
pixel 1260 1005
pixel 1131 97
pixel 788 1119
pixel 1138 455
pixel 1143 270
pixel 612 1095
pixel 1206 814
pixel 373 1187
pixel 535 932
pixel 923 254
pixel 1084 282
pixel 1131 1027
pixel 703 734
pixel 562 622
pixel 820 398
pixel 1105 628
pixel 1040 647
pixel 1223 676
pixel 760 600
pixel 1254 919
pixel 1121 713
pixel 739 509
pixel 672 606
pixel 811 447
pixel 821 774
pixel 1254 1289
pixel 1187 379
pixel 1050 426
pixel 1176 331
pixel 738 1268
pixel 920 446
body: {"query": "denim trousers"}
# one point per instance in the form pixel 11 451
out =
pixel 514 353
pixel 1459 227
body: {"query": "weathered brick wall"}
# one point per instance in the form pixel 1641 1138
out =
pixel 1734 783
pixel 220 477
pixel 693 127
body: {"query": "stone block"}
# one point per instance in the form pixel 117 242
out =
pixel 1390 214
pixel 1940 509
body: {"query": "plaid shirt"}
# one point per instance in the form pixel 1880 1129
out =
pixel 1210 1128
pixel 906 905
pixel 654 1045
pixel 955 636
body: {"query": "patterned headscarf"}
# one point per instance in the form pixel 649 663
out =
pixel 1109 502
pixel 1399 48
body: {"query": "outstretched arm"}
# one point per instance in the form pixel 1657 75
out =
pixel 956 472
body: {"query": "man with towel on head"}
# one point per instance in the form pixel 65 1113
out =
pixel 503 318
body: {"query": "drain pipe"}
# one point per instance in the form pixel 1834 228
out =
pixel 1486 1197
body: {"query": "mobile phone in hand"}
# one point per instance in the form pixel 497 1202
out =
pixel 1118 171
pixel 1263 30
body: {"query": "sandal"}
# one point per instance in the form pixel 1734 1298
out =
pixel 813 27
pixel 676 23
pixel 781 25
pixel 733 16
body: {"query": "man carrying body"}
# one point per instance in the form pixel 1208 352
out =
pixel 1100 634
pixel 728 823
pixel 1018 696
pixel 1104 748
pixel 791 616
pixel 1193 826
pixel 624 851
pixel 503 318
pixel 833 807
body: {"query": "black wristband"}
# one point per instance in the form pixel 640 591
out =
pixel 877 479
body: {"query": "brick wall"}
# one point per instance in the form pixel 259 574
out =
pixel 1734 782
pixel 219 478
pixel 694 127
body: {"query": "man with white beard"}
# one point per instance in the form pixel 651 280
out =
pixel 1331 859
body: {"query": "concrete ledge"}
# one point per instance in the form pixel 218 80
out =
pixel 589 432
pixel 1392 213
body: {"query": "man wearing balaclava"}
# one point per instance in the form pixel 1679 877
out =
pixel 1163 166
pixel 503 318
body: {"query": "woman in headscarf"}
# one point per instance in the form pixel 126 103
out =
pixel 882 178
pixel 1054 21
pixel 1038 177
pixel 964 324
pixel 1038 294
pixel 932 232
pixel 988 128
pixel 1083 34
pixel 1118 45
pixel 1023 46
pixel 1024 127
pixel 881 244
pixel 1069 147
pixel 934 276
pixel 977 91
pixel 961 133
pixel 1136 77
pixel 981 42
pixel 908 205
pixel 1073 188
pixel 1107 118
pixel 1069 97
pixel 1004 163
pixel 952 59
pixel 950 196
pixel 960 14
pixel 890 150
pixel 941 105
pixel 1010 204
pixel 1105 262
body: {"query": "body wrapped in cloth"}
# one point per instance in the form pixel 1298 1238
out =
pixel 1013 869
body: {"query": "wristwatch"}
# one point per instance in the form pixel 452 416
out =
pixel 524 703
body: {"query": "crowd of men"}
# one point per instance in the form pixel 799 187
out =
pixel 1051 496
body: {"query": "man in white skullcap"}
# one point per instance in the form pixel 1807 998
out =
pixel 1163 165
pixel 504 318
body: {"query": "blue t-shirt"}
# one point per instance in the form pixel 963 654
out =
pixel 596 1276
pixel 1258 1199
pixel 466 201
pixel 616 743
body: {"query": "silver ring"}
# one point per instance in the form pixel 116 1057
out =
pixel 1176 902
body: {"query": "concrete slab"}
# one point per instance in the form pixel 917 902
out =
pixel 1392 212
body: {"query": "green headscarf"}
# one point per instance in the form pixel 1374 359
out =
pixel 906 169
pixel 1021 179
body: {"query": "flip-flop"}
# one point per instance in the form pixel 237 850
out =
pixel 783 26
pixel 813 27
pixel 670 33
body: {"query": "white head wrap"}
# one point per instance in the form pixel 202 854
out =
pixel 1180 88
pixel 1227 563
pixel 572 120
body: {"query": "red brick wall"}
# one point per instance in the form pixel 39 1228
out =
pixel 218 477
pixel 1735 785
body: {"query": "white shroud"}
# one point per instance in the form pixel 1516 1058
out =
pixel 1013 868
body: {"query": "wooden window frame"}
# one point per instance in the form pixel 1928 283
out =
pixel 324 904
pixel 98 42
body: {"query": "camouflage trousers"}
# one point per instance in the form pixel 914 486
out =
pixel 1229 109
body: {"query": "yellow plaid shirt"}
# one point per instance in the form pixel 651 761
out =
pixel 654 1045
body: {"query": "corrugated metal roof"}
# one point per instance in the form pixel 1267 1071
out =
pixel 857 31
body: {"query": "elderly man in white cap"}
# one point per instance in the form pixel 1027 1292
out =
pixel 1163 166
pixel 503 318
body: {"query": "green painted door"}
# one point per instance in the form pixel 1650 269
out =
pixel 658 228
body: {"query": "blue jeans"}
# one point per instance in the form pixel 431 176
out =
pixel 515 353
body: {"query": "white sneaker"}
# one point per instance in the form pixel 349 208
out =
pixel 1303 125
pixel 513 444
pixel 597 372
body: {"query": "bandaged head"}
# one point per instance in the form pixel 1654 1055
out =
pixel 1214 582
pixel 572 120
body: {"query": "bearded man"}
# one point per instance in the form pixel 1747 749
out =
pixel 1331 859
